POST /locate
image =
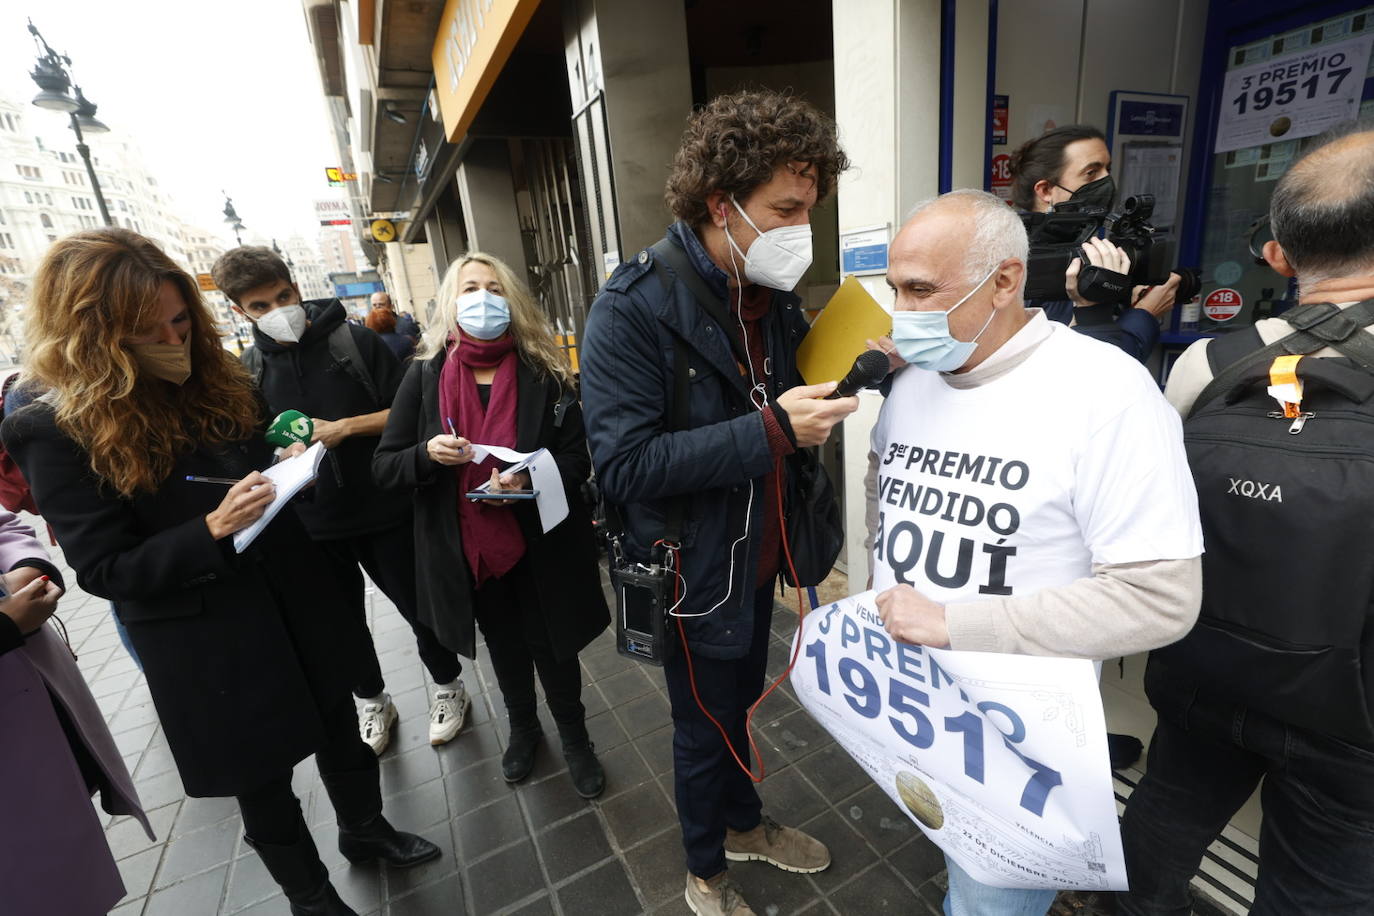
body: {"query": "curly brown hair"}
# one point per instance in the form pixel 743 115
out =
pixel 93 291
pixel 735 142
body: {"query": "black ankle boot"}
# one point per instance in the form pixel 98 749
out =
pixel 588 778
pixel 302 876
pixel 518 759
pixel 1123 750
pixel 376 840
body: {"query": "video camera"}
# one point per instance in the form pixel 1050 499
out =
pixel 1057 237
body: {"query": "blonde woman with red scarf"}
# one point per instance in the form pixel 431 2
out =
pixel 489 372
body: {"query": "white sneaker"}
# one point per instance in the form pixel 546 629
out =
pixel 374 724
pixel 448 713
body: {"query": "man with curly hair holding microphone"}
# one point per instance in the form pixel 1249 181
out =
pixel 717 291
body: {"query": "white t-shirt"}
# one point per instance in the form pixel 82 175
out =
pixel 1071 458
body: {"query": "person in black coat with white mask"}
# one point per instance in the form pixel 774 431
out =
pixel 490 373
pixel 239 649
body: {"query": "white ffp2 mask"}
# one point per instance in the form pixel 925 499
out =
pixel 777 258
pixel 285 323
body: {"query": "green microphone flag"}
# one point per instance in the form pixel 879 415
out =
pixel 290 427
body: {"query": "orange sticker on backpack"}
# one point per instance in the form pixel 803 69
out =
pixel 1285 386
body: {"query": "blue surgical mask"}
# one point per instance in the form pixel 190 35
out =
pixel 924 341
pixel 483 314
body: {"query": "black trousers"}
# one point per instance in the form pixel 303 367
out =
pixel 348 768
pixel 519 643
pixel 712 792
pixel 1207 756
pixel 389 558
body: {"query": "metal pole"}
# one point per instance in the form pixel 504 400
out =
pixel 85 152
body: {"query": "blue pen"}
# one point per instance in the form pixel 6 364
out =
pixel 453 431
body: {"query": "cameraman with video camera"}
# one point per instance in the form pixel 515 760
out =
pixel 1065 172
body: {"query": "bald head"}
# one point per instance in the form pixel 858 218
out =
pixel 1322 211
pixel 974 228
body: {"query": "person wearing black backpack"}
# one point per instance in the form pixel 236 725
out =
pixel 1274 683
pixel 306 357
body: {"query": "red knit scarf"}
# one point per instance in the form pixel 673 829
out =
pixel 492 542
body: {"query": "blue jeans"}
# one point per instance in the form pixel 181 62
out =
pixel 969 897
pixel 712 792
pixel 1206 757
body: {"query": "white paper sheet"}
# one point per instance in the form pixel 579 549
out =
pixel 499 452
pixel 1000 759
pixel 551 500
pixel 290 477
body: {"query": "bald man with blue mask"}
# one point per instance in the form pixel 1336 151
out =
pixel 1104 555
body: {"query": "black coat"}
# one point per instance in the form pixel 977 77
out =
pixel 239 650
pixel 304 376
pixel 564 579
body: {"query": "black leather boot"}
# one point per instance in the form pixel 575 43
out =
pixel 518 759
pixel 376 840
pixel 1123 750
pixel 588 778
pixel 365 835
pixel 302 876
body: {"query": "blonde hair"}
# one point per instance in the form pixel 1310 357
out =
pixel 531 329
pixel 92 292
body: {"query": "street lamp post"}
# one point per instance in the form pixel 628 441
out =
pixel 231 217
pixel 50 73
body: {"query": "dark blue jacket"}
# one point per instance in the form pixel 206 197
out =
pixel 718 464
pixel 1135 332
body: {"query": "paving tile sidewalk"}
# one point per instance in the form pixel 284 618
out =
pixel 533 848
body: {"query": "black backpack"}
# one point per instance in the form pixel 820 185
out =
pixel 1287 506
pixel 343 349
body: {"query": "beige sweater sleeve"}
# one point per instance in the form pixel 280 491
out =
pixel 1120 610
pixel 1190 375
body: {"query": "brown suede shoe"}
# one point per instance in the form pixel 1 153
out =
pixel 722 897
pixel 786 847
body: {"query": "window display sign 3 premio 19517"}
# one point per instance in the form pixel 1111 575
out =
pixel 1292 96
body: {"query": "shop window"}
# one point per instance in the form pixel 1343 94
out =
pixel 1243 179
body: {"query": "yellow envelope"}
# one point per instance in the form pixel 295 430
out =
pixel 837 336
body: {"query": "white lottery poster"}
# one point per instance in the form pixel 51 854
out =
pixel 1000 759
pixel 1292 96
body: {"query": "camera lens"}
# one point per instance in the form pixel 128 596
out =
pixel 1189 283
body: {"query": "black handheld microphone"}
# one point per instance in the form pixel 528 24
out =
pixel 869 369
